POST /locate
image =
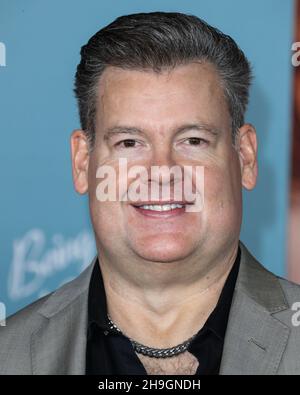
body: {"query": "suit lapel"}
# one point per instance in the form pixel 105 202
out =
pixel 59 345
pixel 255 340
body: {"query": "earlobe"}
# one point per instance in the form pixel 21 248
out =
pixel 80 160
pixel 248 155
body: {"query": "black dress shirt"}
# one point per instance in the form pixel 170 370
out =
pixel 109 352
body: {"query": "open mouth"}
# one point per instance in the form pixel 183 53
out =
pixel 161 207
pixel 168 208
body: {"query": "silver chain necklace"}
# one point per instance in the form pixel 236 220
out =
pixel 153 352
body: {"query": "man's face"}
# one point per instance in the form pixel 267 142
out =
pixel 178 117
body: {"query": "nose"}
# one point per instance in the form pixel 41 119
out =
pixel 163 158
pixel 165 174
pixel 162 155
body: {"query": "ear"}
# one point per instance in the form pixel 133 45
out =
pixel 80 160
pixel 247 149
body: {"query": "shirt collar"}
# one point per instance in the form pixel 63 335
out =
pixel 218 319
pixel 97 305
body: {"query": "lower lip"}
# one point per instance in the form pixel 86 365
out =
pixel 160 214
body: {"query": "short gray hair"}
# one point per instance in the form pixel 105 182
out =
pixel 156 41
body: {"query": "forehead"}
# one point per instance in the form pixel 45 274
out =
pixel 176 95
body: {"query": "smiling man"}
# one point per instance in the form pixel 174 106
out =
pixel 172 289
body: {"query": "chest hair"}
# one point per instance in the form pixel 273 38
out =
pixel 183 364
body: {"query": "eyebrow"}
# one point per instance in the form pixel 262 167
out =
pixel 199 126
pixel 121 129
pixel 184 128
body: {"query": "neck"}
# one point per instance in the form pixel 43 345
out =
pixel 158 312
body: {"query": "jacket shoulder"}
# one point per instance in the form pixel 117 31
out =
pixel 16 336
pixel 291 290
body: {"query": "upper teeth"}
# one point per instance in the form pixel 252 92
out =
pixel 164 207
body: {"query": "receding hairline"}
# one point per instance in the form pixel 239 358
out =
pixel 166 70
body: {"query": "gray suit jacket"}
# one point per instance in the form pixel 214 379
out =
pixel 49 336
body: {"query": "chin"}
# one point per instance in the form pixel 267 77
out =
pixel 163 250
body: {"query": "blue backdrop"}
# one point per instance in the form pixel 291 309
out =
pixel 45 233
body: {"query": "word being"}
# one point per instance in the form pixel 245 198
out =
pixel 296 55
pixel 36 260
pixel 2 54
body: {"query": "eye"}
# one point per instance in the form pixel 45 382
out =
pixel 128 143
pixel 195 141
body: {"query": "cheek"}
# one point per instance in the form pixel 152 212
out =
pixel 103 213
pixel 107 220
pixel 223 188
